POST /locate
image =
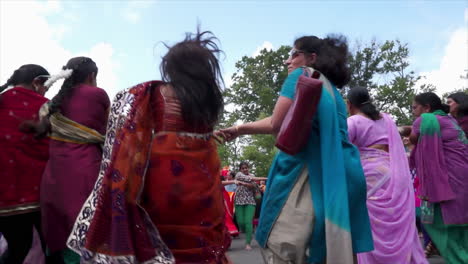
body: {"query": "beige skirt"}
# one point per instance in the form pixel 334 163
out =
pixel 291 233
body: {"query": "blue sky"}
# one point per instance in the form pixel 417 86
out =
pixel 125 37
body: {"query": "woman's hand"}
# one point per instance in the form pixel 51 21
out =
pixel 228 134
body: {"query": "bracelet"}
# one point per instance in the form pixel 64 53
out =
pixel 237 130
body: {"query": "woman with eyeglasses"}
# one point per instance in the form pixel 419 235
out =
pixel 314 207
pixel 75 120
pixel 22 160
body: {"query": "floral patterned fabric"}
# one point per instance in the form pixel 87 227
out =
pixel 112 227
pixel 245 195
pixel 157 199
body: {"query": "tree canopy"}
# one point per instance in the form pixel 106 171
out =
pixel 383 68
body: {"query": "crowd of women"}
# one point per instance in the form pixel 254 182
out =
pixel 137 181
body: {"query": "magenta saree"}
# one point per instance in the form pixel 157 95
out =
pixel 390 197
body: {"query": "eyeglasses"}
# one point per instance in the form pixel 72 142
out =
pixel 294 53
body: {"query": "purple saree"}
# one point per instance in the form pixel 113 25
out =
pixel 390 197
pixel 72 168
pixel 451 148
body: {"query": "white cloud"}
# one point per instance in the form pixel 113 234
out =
pixel 103 55
pixel 131 16
pixel 51 6
pixel 454 64
pixel 133 9
pixel 266 45
pixel 35 40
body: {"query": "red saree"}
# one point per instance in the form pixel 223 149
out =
pixel 158 198
pixel 22 157
pixel 229 214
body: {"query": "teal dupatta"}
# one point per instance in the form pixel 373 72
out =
pixel 338 187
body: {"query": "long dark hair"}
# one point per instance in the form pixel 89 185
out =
pixel 462 109
pixel 82 67
pixel 359 97
pixel 332 56
pixel 459 97
pixel 26 75
pixel 192 68
pixel 432 100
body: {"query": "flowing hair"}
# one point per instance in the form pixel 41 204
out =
pixel 332 56
pixel 192 68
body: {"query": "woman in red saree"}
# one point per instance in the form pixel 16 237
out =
pixel 228 185
pixel 158 198
pixel 22 160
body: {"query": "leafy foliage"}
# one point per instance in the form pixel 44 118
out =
pixel 253 95
pixel 383 68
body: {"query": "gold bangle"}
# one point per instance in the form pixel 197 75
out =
pixel 237 129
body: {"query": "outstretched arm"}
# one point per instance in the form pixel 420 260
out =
pixel 269 125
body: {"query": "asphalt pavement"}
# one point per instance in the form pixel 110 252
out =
pixel 239 255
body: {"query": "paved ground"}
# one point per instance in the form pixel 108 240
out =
pixel 239 255
pixel 236 253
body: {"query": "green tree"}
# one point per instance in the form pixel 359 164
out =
pixel 253 95
pixel 257 83
pixel 365 63
pixel 384 70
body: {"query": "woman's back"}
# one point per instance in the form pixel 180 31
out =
pixel 454 153
pixel 23 158
pixel 454 142
pixel 88 106
pixel 365 132
pixel 168 113
pixel 182 194
pixel 72 168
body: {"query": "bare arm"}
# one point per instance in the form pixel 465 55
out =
pixel 259 178
pixel 269 125
pixel 228 182
pixel 246 184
